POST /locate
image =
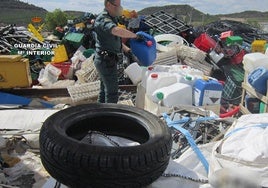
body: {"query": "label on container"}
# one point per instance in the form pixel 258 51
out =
pixel 208 97
pixel 212 97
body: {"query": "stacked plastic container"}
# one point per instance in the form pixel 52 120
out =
pixel 252 61
pixel 174 95
pixel 159 80
pixel 173 85
pixel 258 79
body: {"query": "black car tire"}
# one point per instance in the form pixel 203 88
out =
pixel 78 164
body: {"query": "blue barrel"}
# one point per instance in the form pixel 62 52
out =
pixel 145 53
pixel 258 79
pixel 207 92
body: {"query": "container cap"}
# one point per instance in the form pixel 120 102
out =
pixel 154 75
pixel 205 78
pixel 189 78
pixel 150 68
pixel 160 95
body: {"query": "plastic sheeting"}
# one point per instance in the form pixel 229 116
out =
pixel 26 123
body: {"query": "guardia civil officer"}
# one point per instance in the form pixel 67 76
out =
pixel 109 48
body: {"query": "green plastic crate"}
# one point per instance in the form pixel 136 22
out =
pixel 87 53
pixel 234 40
pixel 75 39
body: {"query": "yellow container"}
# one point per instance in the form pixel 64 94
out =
pixel 14 72
pixel 126 13
pixel 121 26
pixel 258 46
pixel 60 54
pixel 80 25
pixel 129 14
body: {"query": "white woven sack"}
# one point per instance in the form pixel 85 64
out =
pixel 243 153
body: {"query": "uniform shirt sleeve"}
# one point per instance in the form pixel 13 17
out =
pixel 107 24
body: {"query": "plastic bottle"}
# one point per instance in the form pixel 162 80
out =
pixel 254 60
pixel 159 80
pixel 174 95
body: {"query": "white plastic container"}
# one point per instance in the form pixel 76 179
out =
pixel 174 95
pixel 195 73
pixel 158 80
pixel 53 70
pixel 175 40
pixel 134 72
pixel 180 78
pixel 146 71
pixel 180 69
pixel 185 79
pixel 215 56
pixel 189 80
pixel 253 60
pixel 49 75
pixel 186 70
pixel 161 68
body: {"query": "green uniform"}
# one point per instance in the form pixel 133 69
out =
pixel 105 40
pixel 108 48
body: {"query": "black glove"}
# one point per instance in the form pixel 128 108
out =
pixel 140 37
pixel 131 57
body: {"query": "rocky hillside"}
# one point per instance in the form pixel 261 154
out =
pixel 182 12
pixel 191 15
pixel 20 13
pixel 17 12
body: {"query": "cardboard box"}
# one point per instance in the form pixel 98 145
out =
pixel 14 71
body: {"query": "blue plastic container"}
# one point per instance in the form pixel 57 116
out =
pixel 145 53
pixel 207 92
pixel 252 104
pixel 258 79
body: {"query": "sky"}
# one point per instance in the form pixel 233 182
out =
pixel 206 6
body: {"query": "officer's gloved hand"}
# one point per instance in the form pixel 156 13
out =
pixel 140 37
pixel 132 58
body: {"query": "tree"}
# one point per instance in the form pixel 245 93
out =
pixel 55 19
